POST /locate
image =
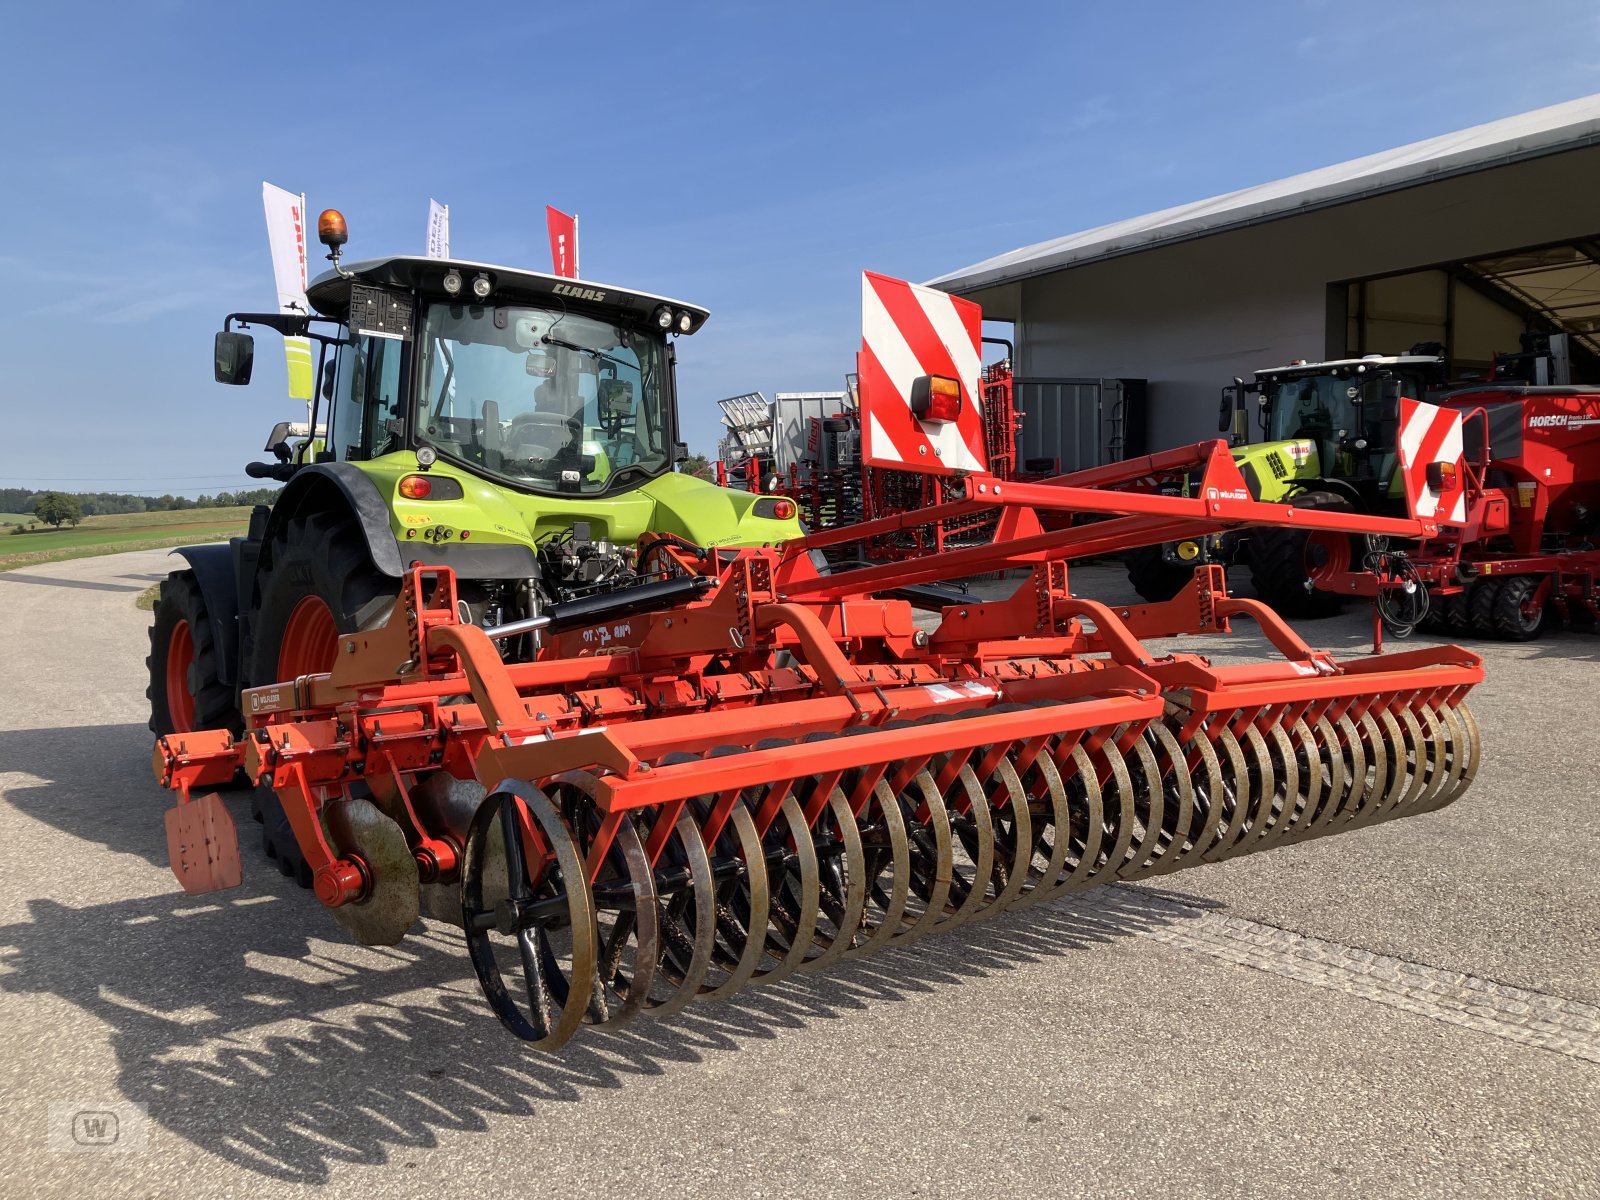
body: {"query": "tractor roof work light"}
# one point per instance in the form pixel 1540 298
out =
pixel 663 317
pixel 482 285
pixel 452 282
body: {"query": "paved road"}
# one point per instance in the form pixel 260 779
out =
pixel 1410 1011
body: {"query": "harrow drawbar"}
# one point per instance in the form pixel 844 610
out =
pixel 687 802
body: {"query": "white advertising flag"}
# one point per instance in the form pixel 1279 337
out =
pixel 438 230
pixel 286 231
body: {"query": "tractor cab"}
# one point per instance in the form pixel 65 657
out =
pixel 1335 420
pixel 532 382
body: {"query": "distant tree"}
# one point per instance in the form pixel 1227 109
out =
pixel 54 508
pixel 695 464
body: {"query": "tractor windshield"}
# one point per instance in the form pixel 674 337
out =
pixel 1322 408
pixel 545 400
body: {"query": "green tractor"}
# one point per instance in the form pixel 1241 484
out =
pixel 1330 432
pixel 519 428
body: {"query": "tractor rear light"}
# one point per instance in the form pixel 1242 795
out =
pixel 465 534
pixel 774 508
pixel 1441 476
pixel 429 487
pixel 935 399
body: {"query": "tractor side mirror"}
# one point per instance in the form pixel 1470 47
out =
pixel 1225 410
pixel 235 357
pixel 680 452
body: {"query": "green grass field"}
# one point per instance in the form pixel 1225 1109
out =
pixel 17 518
pixel 124 531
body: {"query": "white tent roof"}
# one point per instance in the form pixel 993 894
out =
pixel 1528 135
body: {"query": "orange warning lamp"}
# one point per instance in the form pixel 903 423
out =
pixel 331 230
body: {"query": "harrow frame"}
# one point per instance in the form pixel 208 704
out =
pixel 787 769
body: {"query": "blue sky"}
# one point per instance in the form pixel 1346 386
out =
pixel 749 157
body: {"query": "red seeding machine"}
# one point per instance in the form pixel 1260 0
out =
pixel 1512 476
pixel 773 766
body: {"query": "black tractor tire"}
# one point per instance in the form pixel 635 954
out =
pixel 1456 611
pixel 1482 595
pixel 181 624
pixel 321 556
pixel 1279 569
pixel 1152 576
pixel 1512 618
pixel 277 837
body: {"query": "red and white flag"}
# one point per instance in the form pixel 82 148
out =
pixel 563 241
pixel 911 333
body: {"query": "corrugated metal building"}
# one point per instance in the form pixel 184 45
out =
pixel 1468 239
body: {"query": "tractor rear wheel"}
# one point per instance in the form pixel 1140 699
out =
pixel 1284 560
pixel 1152 576
pixel 317 582
pixel 185 690
pixel 1518 616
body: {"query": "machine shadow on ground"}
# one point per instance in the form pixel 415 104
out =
pixel 250 1030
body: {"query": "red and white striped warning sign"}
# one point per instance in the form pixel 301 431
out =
pixel 1428 435
pixel 910 332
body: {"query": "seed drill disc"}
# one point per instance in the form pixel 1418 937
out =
pixel 444 802
pixel 356 827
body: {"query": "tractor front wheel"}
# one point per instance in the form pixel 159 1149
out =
pixel 1284 561
pixel 185 691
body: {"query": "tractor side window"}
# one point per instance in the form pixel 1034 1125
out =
pixel 349 387
pixel 367 400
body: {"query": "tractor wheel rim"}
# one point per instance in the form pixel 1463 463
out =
pixel 1327 555
pixel 180 657
pixel 310 640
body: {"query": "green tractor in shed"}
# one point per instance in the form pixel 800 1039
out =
pixel 517 427
pixel 1330 431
